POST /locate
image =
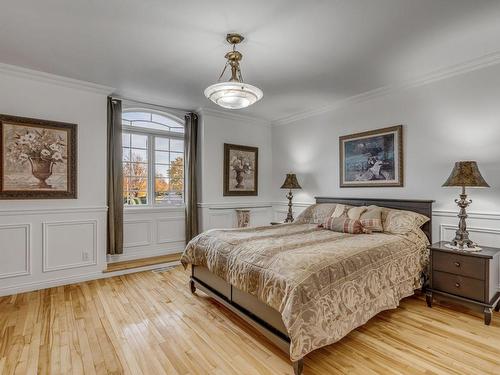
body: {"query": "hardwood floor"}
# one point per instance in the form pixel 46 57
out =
pixel 136 263
pixel 149 323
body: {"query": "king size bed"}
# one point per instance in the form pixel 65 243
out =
pixel 304 287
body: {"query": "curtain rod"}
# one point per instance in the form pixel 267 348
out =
pixel 119 97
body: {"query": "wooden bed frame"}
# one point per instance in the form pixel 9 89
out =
pixel 264 318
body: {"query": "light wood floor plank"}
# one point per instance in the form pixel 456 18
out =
pixel 149 323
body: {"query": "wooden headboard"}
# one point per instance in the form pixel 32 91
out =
pixel 423 207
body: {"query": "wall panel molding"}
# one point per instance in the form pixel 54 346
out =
pixel 149 233
pixel 27 250
pixel 166 220
pixel 53 210
pixel 46 249
pixel 448 227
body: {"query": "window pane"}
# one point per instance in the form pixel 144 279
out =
pixel 162 170
pixel 135 183
pixel 176 158
pixel 161 144
pixel 139 155
pixel 131 116
pixel 135 197
pixel 135 169
pixel 162 157
pixel 126 154
pixel 126 139
pixel 176 184
pixel 139 141
pixel 169 198
pixel 177 145
pixel 162 184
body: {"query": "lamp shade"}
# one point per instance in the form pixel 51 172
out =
pixel 291 182
pixel 466 173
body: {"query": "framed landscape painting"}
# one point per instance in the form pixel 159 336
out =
pixel 241 167
pixel 37 158
pixel 372 159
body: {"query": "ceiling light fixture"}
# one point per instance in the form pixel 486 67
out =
pixel 234 94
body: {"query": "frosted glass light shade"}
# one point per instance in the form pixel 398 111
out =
pixel 233 95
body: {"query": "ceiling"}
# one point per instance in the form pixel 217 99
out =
pixel 303 54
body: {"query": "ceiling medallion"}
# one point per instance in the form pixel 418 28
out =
pixel 233 94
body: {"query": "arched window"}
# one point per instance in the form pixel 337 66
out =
pixel 153 158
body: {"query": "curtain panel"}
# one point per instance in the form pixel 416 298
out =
pixel 190 174
pixel 115 178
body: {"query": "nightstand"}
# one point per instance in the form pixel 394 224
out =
pixel 463 276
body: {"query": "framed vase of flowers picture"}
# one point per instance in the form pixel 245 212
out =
pixel 37 158
pixel 241 167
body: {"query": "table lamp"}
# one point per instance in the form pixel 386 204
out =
pixel 464 174
pixel 290 183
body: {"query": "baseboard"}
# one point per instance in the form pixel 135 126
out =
pixel 39 285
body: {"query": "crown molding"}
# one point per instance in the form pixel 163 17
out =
pixel 17 71
pixel 226 114
pixel 425 79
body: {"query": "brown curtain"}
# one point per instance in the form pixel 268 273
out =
pixel 115 177
pixel 190 172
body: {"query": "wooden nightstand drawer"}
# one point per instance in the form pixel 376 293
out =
pixel 459 264
pixel 459 285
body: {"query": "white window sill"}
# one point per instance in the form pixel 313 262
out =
pixel 150 209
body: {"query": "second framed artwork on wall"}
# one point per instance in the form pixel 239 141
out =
pixel 37 158
pixel 372 159
pixel 241 170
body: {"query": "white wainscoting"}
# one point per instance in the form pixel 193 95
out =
pixel 16 254
pixel 170 229
pixel 137 233
pixel 59 236
pixel 43 247
pixel 223 215
pixel 149 232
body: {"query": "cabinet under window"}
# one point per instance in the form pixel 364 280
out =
pixel 153 159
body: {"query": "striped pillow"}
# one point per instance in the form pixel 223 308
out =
pixel 372 219
pixel 344 225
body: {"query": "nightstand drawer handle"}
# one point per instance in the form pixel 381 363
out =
pixel 457 285
pixel 457 264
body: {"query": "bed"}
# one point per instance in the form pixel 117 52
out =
pixel 304 287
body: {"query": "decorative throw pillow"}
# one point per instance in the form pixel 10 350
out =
pixel 315 213
pixel 344 225
pixel 372 219
pixel 354 213
pixel 340 210
pixel 401 222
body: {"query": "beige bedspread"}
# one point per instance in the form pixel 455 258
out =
pixel 324 283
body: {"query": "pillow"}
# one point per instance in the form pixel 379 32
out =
pixel 372 219
pixel 340 210
pixel 344 225
pixel 315 213
pixel 354 213
pixel 402 222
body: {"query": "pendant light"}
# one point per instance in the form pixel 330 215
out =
pixel 234 94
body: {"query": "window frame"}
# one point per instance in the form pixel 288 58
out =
pixel 151 135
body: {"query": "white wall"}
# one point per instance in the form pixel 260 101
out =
pixel 217 128
pixel 453 119
pixel 50 242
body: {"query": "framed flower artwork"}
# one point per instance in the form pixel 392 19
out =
pixel 37 158
pixel 241 167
